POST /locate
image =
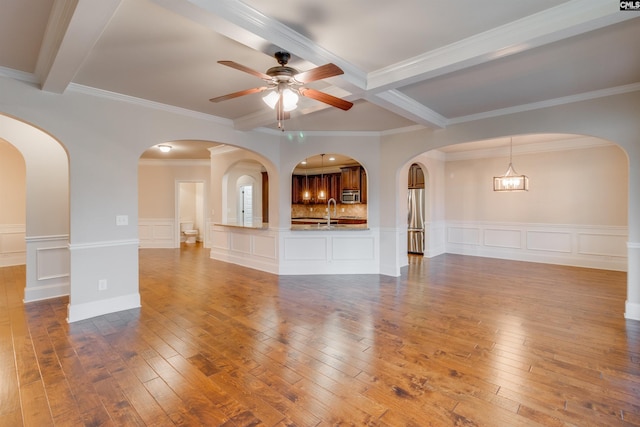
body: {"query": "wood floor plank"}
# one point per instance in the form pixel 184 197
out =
pixel 454 340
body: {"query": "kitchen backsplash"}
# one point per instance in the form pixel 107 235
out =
pixel 358 210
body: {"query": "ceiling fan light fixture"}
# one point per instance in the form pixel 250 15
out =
pixel 289 99
pixel 271 99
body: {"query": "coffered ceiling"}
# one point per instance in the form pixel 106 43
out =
pixel 406 63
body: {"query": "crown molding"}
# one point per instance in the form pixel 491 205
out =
pixel 174 162
pixel 560 144
pixel 87 90
pixel 19 75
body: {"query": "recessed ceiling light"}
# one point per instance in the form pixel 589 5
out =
pixel 332 159
pixel 164 148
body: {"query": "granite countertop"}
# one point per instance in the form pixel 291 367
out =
pixel 261 226
pixel 323 227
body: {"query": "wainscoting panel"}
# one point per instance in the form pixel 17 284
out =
pixel 511 239
pixel 464 235
pixel 549 241
pixel 341 251
pixel 353 248
pixel 577 245
pixel 305 248
pixel 13 248
pixel 249 247
pixel 52 263
pixel 48 267
pixel 265 246
pixel 220 239
pixel 602 244
pixel 241 243
pixel 156 233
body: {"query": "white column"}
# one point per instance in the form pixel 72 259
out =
pixel 632 305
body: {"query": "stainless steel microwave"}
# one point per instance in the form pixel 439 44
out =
pixel 350 196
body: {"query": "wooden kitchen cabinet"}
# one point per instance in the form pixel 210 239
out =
pixel 363 186
pixel 329 182
pixel 350 178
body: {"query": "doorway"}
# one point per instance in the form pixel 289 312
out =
pixel 190 208
pixel 246 205
pixel 416 210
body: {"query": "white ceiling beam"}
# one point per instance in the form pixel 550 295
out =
pixel 568 19
pixel 402 105
pixel 73 29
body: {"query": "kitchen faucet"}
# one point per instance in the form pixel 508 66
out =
pixel 335 211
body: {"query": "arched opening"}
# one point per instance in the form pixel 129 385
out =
pixel 242 194
pixel 575 212
pixel 329 188
pixel 173 194
pixel 35 208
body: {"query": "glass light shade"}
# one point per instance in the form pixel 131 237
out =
pixel 511 181
pixel 306 195
pixel 289 99
pixel 271 99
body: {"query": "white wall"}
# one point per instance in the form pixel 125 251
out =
pixel 585 186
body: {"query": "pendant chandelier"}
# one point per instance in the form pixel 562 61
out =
pixel 322 194
pixel 511 181
pixel 306 195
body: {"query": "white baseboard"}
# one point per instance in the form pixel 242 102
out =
pixel 9 260
pixel 42 292
pixel 632 311
pixel 91 309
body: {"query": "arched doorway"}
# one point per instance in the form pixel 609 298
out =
pixel 46 212
pixel 575 212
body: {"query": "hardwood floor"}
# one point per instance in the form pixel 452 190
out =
pixel 455 340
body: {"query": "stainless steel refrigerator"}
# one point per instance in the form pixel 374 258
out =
pixel 415 236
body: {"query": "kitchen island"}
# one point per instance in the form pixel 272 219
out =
pixel 307 247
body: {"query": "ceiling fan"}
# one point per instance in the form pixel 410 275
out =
pixel 285 84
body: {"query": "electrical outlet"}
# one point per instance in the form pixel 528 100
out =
pixel 122 220
pixel 102 284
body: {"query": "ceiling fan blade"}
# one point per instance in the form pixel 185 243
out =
pixel 319 73
pixel 241 67
pixel 238 94
pixel 326 98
